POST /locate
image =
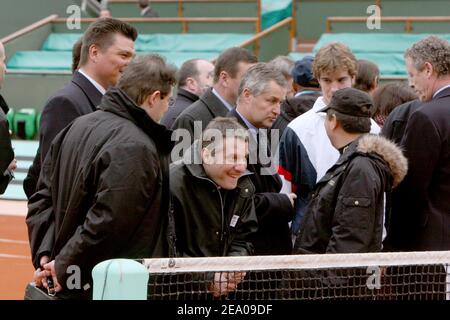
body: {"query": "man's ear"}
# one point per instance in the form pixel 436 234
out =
pixel 206 156
pixel 224 76
pixel 334 123
pixel 428 68
pixel 153 98
pixel 94 51
pixel 375 83
pixel 191 84
pixel 246 93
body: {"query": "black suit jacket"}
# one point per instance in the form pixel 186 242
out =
pixel 273 209
pixel 421 220
pixel 395 125
pixel 77 98
pixel 184 99
pixel 206 108
pixel 6 150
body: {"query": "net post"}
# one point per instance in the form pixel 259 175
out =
pixel 120 279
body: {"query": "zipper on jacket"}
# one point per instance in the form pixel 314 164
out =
pixel 221 210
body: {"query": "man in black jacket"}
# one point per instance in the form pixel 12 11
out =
pixel 213 199
pixel 213 194
pixel 104 188
pixel 345 213
pixel 395 124
pixel 107 48
pixel 260 94
pixel 194 79
pixel 7 161
pixel 421 220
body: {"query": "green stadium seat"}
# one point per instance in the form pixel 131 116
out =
pixel 56 53
pixel 40 60
pixel 384 49
pixel 24 124
pixel 50 61
pixel 390 64
pixel 160 42
pixel 60 41
pixel 374 42
pixel 189 42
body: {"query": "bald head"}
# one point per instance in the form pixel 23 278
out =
pixel 196 76
pixel 2 64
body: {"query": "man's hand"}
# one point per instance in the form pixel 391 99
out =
pixel 225 282
pixel 13 165
pixel 49 271
pixel 292 197
pixel 39 274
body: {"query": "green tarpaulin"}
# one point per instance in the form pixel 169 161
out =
pixel 41 61
pixel 390 64
pixel 374 42
pixel 204 42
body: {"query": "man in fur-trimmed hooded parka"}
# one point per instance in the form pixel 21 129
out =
pixel 345 213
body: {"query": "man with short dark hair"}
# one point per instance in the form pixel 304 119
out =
pixel 345 213
pixel 107 48
pixel 76 53
pixel 229 68
pixel 104 188
pixel 195 77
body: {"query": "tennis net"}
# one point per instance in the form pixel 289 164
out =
pixel 368 276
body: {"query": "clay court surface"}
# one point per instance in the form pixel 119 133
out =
pixel 15 263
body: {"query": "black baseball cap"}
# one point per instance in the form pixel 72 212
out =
pixel 351 102
pixel 302 73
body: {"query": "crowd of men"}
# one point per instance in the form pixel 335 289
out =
pixel 250 158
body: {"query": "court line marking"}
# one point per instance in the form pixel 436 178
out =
pixel 13 241
pixel 13 214
pixel 13 256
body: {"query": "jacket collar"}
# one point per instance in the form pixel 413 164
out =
pixel 187 94
pixel 116 101
pixel 3 105
pixel 443 93
pixel 214 105
pixel 348 151
pixel 94 96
